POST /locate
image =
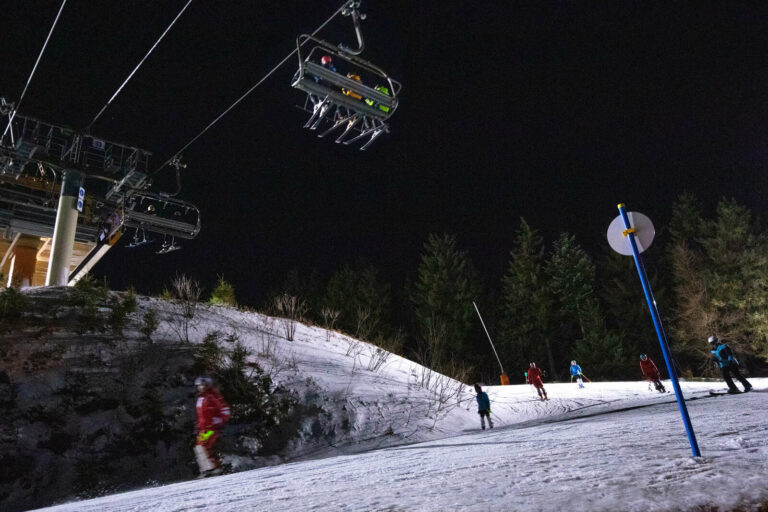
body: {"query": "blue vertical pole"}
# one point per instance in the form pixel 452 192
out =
pixel 629 233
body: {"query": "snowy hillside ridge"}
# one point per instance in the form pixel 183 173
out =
pixel 88 409
pixel 619 448
pixel 352 397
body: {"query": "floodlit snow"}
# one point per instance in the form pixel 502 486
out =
pixel 611 446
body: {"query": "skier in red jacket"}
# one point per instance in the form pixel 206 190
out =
pixel 534 378
pixel 212 414
pixel 651 373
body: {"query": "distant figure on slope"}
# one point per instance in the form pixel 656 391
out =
pixel 723 356
pixel 534 378
pixel 483 406
pixel 212 415
pixel 651 373
pixel 576 373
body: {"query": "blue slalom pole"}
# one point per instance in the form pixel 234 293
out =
pixel 630 233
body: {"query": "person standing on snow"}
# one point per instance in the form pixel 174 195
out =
pixel 651 373
pixel 723 356
pixel 534 378
pixel 483 406
pixel 576 373
pixel 212 415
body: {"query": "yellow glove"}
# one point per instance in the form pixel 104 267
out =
pixel 204 436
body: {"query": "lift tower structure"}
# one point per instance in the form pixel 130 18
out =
pixel 66 198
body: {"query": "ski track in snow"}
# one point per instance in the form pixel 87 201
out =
pixel 610 447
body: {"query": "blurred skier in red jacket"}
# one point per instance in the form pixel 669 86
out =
pixel 651 373
pixel 212 415
pixel 534 378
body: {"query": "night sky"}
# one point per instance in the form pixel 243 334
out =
pixel 554 111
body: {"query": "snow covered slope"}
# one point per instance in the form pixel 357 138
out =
pixel 609 447
pixel 404 439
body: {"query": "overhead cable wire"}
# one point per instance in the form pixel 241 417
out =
pixel 34 68
pixel 249 91
pixel 138 66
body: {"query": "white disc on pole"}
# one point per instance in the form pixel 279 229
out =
pixel 644 233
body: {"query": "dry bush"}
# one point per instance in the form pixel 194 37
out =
pixel 291 309
pixel 385 347
pixel 330 316
pixel 185 292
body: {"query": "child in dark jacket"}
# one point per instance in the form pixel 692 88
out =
pixel 483 406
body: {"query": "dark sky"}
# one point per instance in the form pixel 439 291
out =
pixel 554 111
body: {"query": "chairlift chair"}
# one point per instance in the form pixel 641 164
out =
pixel 358 103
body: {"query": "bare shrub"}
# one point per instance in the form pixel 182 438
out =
pixel 354 346
pixel 267 345
pixel 363 317
pixel 186 294
pixel 377 358
pixel 385 347
pixel 291 309
pixel 330 316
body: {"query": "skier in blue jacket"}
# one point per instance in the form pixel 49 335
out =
pixel 723 355
pixel 483 406
pixel 576 373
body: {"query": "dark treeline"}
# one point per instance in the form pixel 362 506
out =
pixel 555 302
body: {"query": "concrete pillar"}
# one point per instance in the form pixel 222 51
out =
pixel 64 232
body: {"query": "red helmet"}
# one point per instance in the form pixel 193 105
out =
pixel 326 59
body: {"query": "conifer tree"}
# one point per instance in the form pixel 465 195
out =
pixel 571 281
pixel 445 286
pixel 361 298
pixel 600 352
pixel 720 270
pixel 525 304
pixel 626 311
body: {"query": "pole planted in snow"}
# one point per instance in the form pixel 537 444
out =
pixel 630 233
pixel 489 336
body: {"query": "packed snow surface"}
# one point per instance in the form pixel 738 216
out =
pixel 612 446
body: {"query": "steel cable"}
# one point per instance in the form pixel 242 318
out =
pixel 34 68
pixel 138 66
pixel 249 91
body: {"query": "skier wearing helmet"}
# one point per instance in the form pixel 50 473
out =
pixel 651 373
pixel 534 378
pixel 327 62
pixel 212 415
pixel 728 363
pixel 576 373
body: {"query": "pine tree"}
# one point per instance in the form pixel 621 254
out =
pixel 626 310
pixel 571 281
pixel 720 270
pixel 442 294
pixel 525 304
pixel 737 278
pixel 600 352
pixel 362 300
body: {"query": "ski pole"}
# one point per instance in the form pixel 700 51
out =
pixel 585 378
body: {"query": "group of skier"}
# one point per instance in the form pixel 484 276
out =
pixel 213 412
pixel 722 355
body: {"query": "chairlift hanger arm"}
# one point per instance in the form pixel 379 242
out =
pixel 352 10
